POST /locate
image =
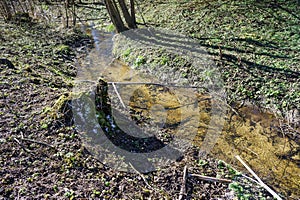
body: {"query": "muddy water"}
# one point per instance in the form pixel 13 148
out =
pixel 258 139
pixel 252 134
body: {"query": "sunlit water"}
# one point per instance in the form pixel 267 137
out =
pixel 253 134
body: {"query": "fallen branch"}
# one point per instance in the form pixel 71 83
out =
pixel 38 142
pixel 142 176
pixel 183 184
pixel 88 7
pixel 212 179
pixel 258 179
pixel 158 84
pixel 23 147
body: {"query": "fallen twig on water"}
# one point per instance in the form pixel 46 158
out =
pixel 183 184
pixel 258 179
pixel 212 179
pixel 119 96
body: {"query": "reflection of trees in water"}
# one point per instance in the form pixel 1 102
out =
pixel 125 140
pixel 114 133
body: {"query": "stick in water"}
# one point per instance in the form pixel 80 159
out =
pixel 119 96
pixel 258 179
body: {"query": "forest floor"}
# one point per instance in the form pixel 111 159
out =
pixel 42 156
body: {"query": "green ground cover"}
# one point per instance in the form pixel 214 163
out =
pixel 255 44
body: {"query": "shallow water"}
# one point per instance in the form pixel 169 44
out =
pixel 249 132
pixel 254 135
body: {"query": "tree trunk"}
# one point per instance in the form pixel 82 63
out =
pixel 66 12
pixel 114 14
pixel 129 20
pixel 132 10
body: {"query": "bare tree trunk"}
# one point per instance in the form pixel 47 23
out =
pixel 74 12
pixel 115 15
pixel 132 10
pixel 129 20
pixel 66 12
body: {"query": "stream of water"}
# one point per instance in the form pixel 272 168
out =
pixel 255 135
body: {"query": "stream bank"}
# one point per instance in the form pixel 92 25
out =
pixel 42 155
pixel 32 168
pixel 269 143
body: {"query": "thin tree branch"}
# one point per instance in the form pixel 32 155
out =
pixel 183 184
pixel 212 179
pixel 258 179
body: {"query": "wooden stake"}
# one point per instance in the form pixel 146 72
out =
pixel 115 88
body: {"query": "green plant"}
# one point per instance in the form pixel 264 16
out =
pixel 63 49
pixel 127 52
pixel 110 28
pixel 139 61
pixel 164 60
pixel 239 191
pixel 69 194
pixel 202 162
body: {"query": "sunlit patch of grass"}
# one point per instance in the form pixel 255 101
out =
pixel 249 39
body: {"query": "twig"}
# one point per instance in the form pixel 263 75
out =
pixel 251 179
pixel 24 148
pixel 212 179
pixel 183 184
pixel 139 10
pixel 115 88
pixel 143 177
pixel 38 142
pixel 158 84
pixel 258 179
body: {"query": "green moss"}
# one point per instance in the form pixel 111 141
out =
pixel 63 49
pixel 110 28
